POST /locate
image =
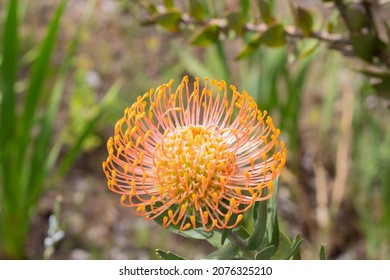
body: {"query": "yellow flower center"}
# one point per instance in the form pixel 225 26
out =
pixel 193 165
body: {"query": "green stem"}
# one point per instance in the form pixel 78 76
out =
pixel 236 239
pixel 239 238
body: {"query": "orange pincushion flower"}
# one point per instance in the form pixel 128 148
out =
pixel 194 159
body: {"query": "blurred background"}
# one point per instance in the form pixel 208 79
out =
pixel 86 70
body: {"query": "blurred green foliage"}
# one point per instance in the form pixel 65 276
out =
pixel 29 147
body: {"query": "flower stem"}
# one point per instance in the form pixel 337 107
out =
pixel 239 238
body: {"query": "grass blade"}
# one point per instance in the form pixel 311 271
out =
pixel 8 73
pixel 39 71
pixel 323 253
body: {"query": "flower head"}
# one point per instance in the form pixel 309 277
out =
pixel 194 158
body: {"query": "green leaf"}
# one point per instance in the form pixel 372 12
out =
pixel 265 11
pixel 39 70
pixel 295 248
pixel 198 233
pixel 266 253
pixel 323 253
pixel 9 167
pixel 197 10
pixel 235 21
pixel 364 45
pixel 260 218
pixel 206 35
pixel 8 73
pixel 266 227
pixel 250 48
pixel 225 233
pixel 304 20
pixel 169 20
pixel 274 36
pixel 168 255
pixel 309 50
pixel 283 246
pixel 272 229
pixel 226 253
